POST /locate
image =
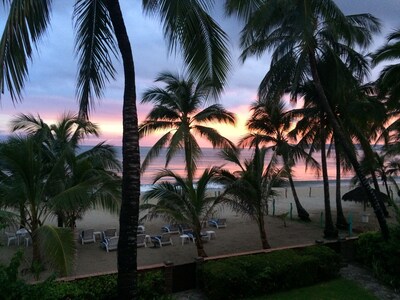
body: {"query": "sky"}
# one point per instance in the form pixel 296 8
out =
pixel 50 89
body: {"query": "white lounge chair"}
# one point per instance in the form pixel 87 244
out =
pixel 111 243
pixel 141 229
pixel 87 236
pixel 171 228
pixel 141 240
pixel 219 223
pixel 109 233
pixel 162 240
pixel 11 237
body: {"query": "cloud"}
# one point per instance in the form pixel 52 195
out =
pixel 50 90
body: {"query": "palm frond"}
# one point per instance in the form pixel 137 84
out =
pixel 215 113
pixel 155 151
pixel 95 47
pixel 59 246
pixel 26 23
pixel 187 26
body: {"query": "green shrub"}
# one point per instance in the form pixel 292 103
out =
pixel 383 257
pixel 253 275
pixel 11 287
pixel 150 286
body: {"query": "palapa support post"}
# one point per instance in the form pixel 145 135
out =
pixel 291 211
pixel 273 206
pixel 350 221
pixel 321 219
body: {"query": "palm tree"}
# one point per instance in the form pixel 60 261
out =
pixel 62 139
pixel 182 201
pixel 98 24
pixel 177 110
pixel 270 127
pixel 299 33
pixel 55 179
pixel 26 183
pixel 249 189
pixel 389 78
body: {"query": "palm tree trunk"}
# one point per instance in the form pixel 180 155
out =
pixel 329 231
pixel 263 234
pixel 375 181
pixel 127 250
pixel 199 245
pixel 22 215
pixel 189 160
pixel 36 257
pixel 341 222
pixel 345 141
pixel 301 212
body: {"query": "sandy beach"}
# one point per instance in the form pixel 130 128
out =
pixel 240 235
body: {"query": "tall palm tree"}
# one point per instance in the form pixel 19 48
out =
pixel 177 109
pixel 183 202
pixel 249 189
pixel 299 33
pixel 101 32
pixel 269 126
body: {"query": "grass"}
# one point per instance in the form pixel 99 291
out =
pixel 338 289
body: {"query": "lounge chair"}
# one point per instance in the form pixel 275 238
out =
pixel 141 240
pixel 219 223
pixel 109 233
pixel 110 243
pixel 11 237
pixel 162 240
pixel 185 228
pixel 170 228
pixel 141 229
pixel 87 236
pixel 190 234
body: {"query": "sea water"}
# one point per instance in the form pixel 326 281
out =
pixel 211 157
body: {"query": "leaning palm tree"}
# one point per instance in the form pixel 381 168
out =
pixel 248 190
pixel 299 33
pixel 269 125
pixel 101 32
pixel 178 110
pixel 183 202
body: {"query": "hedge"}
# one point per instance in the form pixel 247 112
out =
pixel 246 276
pixel 150 286
pixel 382 257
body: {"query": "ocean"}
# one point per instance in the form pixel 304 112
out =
pixel 211 158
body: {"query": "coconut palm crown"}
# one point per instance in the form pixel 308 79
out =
pixel 178 110
pixel 183 202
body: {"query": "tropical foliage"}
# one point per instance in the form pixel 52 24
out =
pixel 269 125
pixel 183 202
pixel 177 109
pixel 40 180
pixel 249 189
pixel 100 33
pixel 299 34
